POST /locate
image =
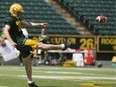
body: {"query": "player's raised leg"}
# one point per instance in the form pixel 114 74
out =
pixel 43 46
pixel 53 47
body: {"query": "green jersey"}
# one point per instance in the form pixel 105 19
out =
pixel 17 35
pixel 15 28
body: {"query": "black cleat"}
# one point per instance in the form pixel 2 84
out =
pixel 67 45
pixel 32 85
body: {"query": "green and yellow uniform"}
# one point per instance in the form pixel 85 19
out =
pixel 24 45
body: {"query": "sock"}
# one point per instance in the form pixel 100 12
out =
pixel 39 62
pixel 62 46
pixel 30 81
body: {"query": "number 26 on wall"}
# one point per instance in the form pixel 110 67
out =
pixel 88 43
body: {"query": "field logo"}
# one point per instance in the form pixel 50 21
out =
pixel 103 84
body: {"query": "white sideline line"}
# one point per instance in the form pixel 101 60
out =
pixel 71 77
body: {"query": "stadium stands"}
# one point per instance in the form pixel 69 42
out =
pixel 88 10
pixel 39 11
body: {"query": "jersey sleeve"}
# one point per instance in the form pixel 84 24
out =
pixel 8 21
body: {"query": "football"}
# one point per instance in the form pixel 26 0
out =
pixel 101 19
pixel 99 64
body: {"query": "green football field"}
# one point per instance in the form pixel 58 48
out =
pixel 55 76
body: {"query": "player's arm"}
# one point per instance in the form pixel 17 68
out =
pixel 32 24
pixel 6 32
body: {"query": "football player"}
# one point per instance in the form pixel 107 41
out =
pixel 12 30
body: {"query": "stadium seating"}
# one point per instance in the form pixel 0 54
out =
pixel 88 10
pixel 39 11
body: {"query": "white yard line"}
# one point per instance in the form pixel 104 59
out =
pixel 65 77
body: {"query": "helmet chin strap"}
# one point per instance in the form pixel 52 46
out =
pixel 15 14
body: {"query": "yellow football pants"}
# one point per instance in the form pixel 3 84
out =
pixel 32 43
